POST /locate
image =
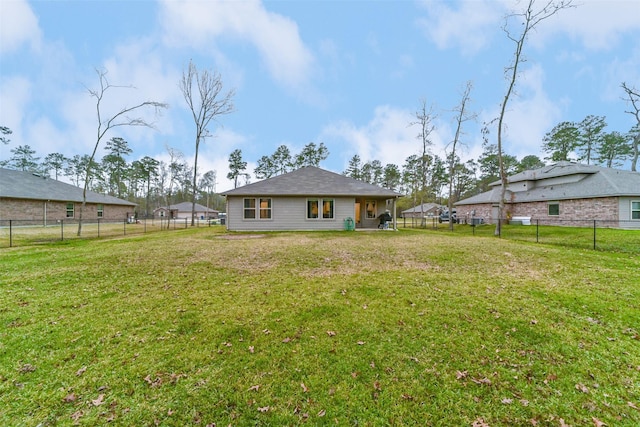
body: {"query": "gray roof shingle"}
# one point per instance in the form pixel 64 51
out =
pixel 311 181
pixel 582 182
pixel 16 184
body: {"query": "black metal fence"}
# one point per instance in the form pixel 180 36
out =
pixel 605 235
pixel 15 232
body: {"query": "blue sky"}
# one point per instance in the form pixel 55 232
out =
pixel 350 74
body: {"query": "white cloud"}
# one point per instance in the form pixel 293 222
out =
pixel 276 37
pixel 18 26
pixel 595 23
pixel 387 137
pixel 530 115
pixel 470 26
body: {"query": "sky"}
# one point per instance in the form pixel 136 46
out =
pixel 351 74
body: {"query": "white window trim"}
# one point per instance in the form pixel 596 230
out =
pixel 320 216
pixel 257 209
pixel 631 210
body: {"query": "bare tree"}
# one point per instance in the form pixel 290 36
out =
pixel 530 18
pixel 120 118
pixel 462 117
pixel 424 119
pixel 206 102
pixel 633 98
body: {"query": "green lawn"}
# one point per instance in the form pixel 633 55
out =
pixel 200 327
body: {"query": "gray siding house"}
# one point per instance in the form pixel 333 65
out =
pixel 27 196
pixel 183 210
pixel 425 209
pixel 309 198
pixel 563 193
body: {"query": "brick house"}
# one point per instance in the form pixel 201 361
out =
pixel 564 193
pixel 27 196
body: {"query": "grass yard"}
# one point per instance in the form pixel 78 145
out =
pixel 200 327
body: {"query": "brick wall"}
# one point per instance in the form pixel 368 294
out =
pixel 585 210
pixel 19 209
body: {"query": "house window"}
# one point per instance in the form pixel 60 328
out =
pixel 249 208
pixel 327 209
pixel 320 208
pixel 370 206
pixel 312 208
pixel 70 210
pixel 265 208
pixel 257 208
pixel 100 209
pixel 635 210
pixel 554 209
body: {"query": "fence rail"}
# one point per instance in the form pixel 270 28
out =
pixel 605 235
pixel 17 232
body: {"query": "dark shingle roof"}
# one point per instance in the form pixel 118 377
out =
pixel 16 184
pixel 311 181
pixel 582 182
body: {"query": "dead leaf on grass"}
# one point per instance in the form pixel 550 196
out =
pixel 81 371
pixel 99 401
pixel 484 381
pixel 597 422
pixel 322 413
pixel 361 343
pixel 77 415
pixel 461 374
pixel 583 388
pixel 286 340
pixel 251 349
pixel 254 387
pixel 479 422
pixel 331 333
pixel 632 405
pixel 305 389
pixel 263 409
pixel 69 398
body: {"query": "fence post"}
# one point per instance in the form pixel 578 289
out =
pixel 594 234
pixel 98 227
pixel 125 227
pixel 62 230
pixel 10 233
pixel 537 231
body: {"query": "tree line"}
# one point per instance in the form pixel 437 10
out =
pixel 423 177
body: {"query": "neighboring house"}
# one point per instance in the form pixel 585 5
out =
pixel 28 196
pixel 425 209
pixel 561 192
pixel 183 210
pixel 309 198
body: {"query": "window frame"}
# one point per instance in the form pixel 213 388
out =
pixel 557 207
pixel 371 213
pixel 252 208
pixel 316 209
pixel 633 210
pixel 266 210
pixel 70 210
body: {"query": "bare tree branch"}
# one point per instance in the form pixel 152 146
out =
pixel 119 119
pixel 206 101
pixel 633 98
pixel 530 18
